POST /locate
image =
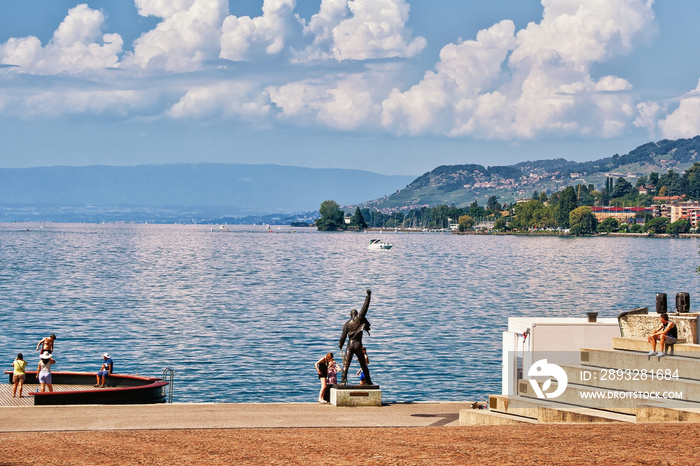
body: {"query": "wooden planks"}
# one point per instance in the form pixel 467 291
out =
pixel 6 399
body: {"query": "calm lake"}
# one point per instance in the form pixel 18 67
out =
pixel 243 315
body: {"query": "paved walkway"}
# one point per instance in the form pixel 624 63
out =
pixel 225 416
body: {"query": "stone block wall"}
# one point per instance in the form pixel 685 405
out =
pixel 641 325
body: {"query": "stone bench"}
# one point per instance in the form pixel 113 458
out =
pixel 642 345
pixel 641 325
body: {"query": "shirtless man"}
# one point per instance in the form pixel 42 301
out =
pixel 46 344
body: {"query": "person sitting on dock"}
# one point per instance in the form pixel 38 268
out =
pixel 105 370
pixel 666 334
pixel 46 344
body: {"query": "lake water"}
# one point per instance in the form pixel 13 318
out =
pixel 243 315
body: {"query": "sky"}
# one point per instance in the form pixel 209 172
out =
pixel 396 87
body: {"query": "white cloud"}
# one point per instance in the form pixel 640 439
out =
pixel 361 30
pixel 21 52
pixel 647 116
pixel 547 86
pixel 77 46
pixel 320 28
pixel 503 84
pixel 228 99
pixel 376 29
pixel 162 8
pixel 464 71
pixel 122 103
pixel 552 88
pixel 684 122
pixel 581 33
pixel 346 103
pixel 243 38
pixel 187 36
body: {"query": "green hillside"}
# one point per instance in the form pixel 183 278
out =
pixel 461 185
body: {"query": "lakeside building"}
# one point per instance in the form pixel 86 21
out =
pixel 679 211
pixel 621 214
pixel 689 211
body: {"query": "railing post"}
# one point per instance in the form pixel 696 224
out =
pixel 168 376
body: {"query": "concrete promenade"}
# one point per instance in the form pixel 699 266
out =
pixel 225 416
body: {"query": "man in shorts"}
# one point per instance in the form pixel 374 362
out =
pixel 666 334
pixel 105 370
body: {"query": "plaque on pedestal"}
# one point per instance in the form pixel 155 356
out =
pixel 356 395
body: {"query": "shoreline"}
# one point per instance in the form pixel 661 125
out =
pixel 537 233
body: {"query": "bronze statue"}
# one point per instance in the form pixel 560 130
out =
pixel 353 329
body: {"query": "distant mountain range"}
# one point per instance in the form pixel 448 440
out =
pixel 180 192
pixel 463 184
pixel 240 193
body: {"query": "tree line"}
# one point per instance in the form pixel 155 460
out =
pixel 439 217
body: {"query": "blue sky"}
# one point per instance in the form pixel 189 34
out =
pixel 391 86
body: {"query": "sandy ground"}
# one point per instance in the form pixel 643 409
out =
pixel 675 444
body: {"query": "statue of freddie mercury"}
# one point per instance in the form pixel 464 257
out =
pixel 353 329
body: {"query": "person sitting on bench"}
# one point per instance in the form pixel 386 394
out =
pixel 666 334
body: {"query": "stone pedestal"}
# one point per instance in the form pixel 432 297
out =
pixel 356 395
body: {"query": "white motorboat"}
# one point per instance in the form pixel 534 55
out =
pixel 379 244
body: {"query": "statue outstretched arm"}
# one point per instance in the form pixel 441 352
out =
pixel 365 306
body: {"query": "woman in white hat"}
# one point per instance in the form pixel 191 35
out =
pixel 43 371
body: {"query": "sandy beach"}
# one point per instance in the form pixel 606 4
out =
pixel 311 433
pixel 543 444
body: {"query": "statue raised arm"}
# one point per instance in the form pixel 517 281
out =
pixel 352 330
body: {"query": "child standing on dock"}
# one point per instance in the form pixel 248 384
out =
pixel 363 379
pixel 332 374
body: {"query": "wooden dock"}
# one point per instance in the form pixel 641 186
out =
pixel 6 398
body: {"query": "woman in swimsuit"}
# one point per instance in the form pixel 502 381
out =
pixel 43 371
pixel 322 369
